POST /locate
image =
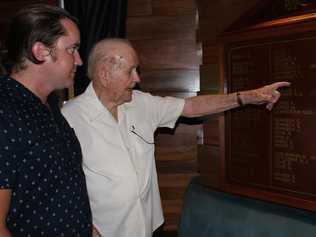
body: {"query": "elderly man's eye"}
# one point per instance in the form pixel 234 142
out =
pixel 134 70
pixel 138 70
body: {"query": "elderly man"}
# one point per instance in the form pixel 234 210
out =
pixel 42 184
pixel 115 126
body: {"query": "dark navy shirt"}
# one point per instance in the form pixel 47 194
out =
pixel 40 161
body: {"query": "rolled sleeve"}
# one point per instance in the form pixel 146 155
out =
pixel 167 110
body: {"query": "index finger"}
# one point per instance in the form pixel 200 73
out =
pixel 279 84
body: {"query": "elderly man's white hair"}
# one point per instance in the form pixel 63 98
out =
pixel 106 49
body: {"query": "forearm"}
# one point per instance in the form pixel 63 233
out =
pixel 209 104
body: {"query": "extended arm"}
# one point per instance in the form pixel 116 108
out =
pixel 210 104
pixel 5 198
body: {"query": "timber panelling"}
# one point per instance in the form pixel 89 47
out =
pixel 184 80
pixel 174 7
pixel 139 8
pixel 167 54
pixel 210 78
pixel 161 27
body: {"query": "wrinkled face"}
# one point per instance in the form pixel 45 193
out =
pixel 65 57
pixel 123 76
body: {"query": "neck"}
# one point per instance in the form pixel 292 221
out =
pixel 32 82
pixel 105 100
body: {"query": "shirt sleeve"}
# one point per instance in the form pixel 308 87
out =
pixel 166 110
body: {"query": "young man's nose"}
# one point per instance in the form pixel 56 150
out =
pixel 78 60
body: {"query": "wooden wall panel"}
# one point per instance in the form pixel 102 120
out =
pixel 210 52
pixel 172 193
pixel 175 180
pixel 139 8
pixel 183 141
pixel 174 7
pixel 172 188
pixel 178 94
pixel 161 27
pixel 210 78
pixel 185 166
pixel 167 54
pixel 170 80
pixel 209 165
pixel 172 208
pixel 211 131
pixel 216 16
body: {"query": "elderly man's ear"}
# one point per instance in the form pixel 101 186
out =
pixel 40 51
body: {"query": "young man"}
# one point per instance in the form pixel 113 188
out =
pixel 42 185
pixel 115 126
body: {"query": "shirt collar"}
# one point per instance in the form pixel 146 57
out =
pixel 97 109
pixel 23 94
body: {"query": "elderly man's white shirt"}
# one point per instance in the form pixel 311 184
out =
pixel 118 159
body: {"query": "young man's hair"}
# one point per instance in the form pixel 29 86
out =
pixel 35 23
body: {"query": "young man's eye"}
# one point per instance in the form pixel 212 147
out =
pixel 72 50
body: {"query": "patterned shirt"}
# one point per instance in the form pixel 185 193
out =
pixel 40 162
